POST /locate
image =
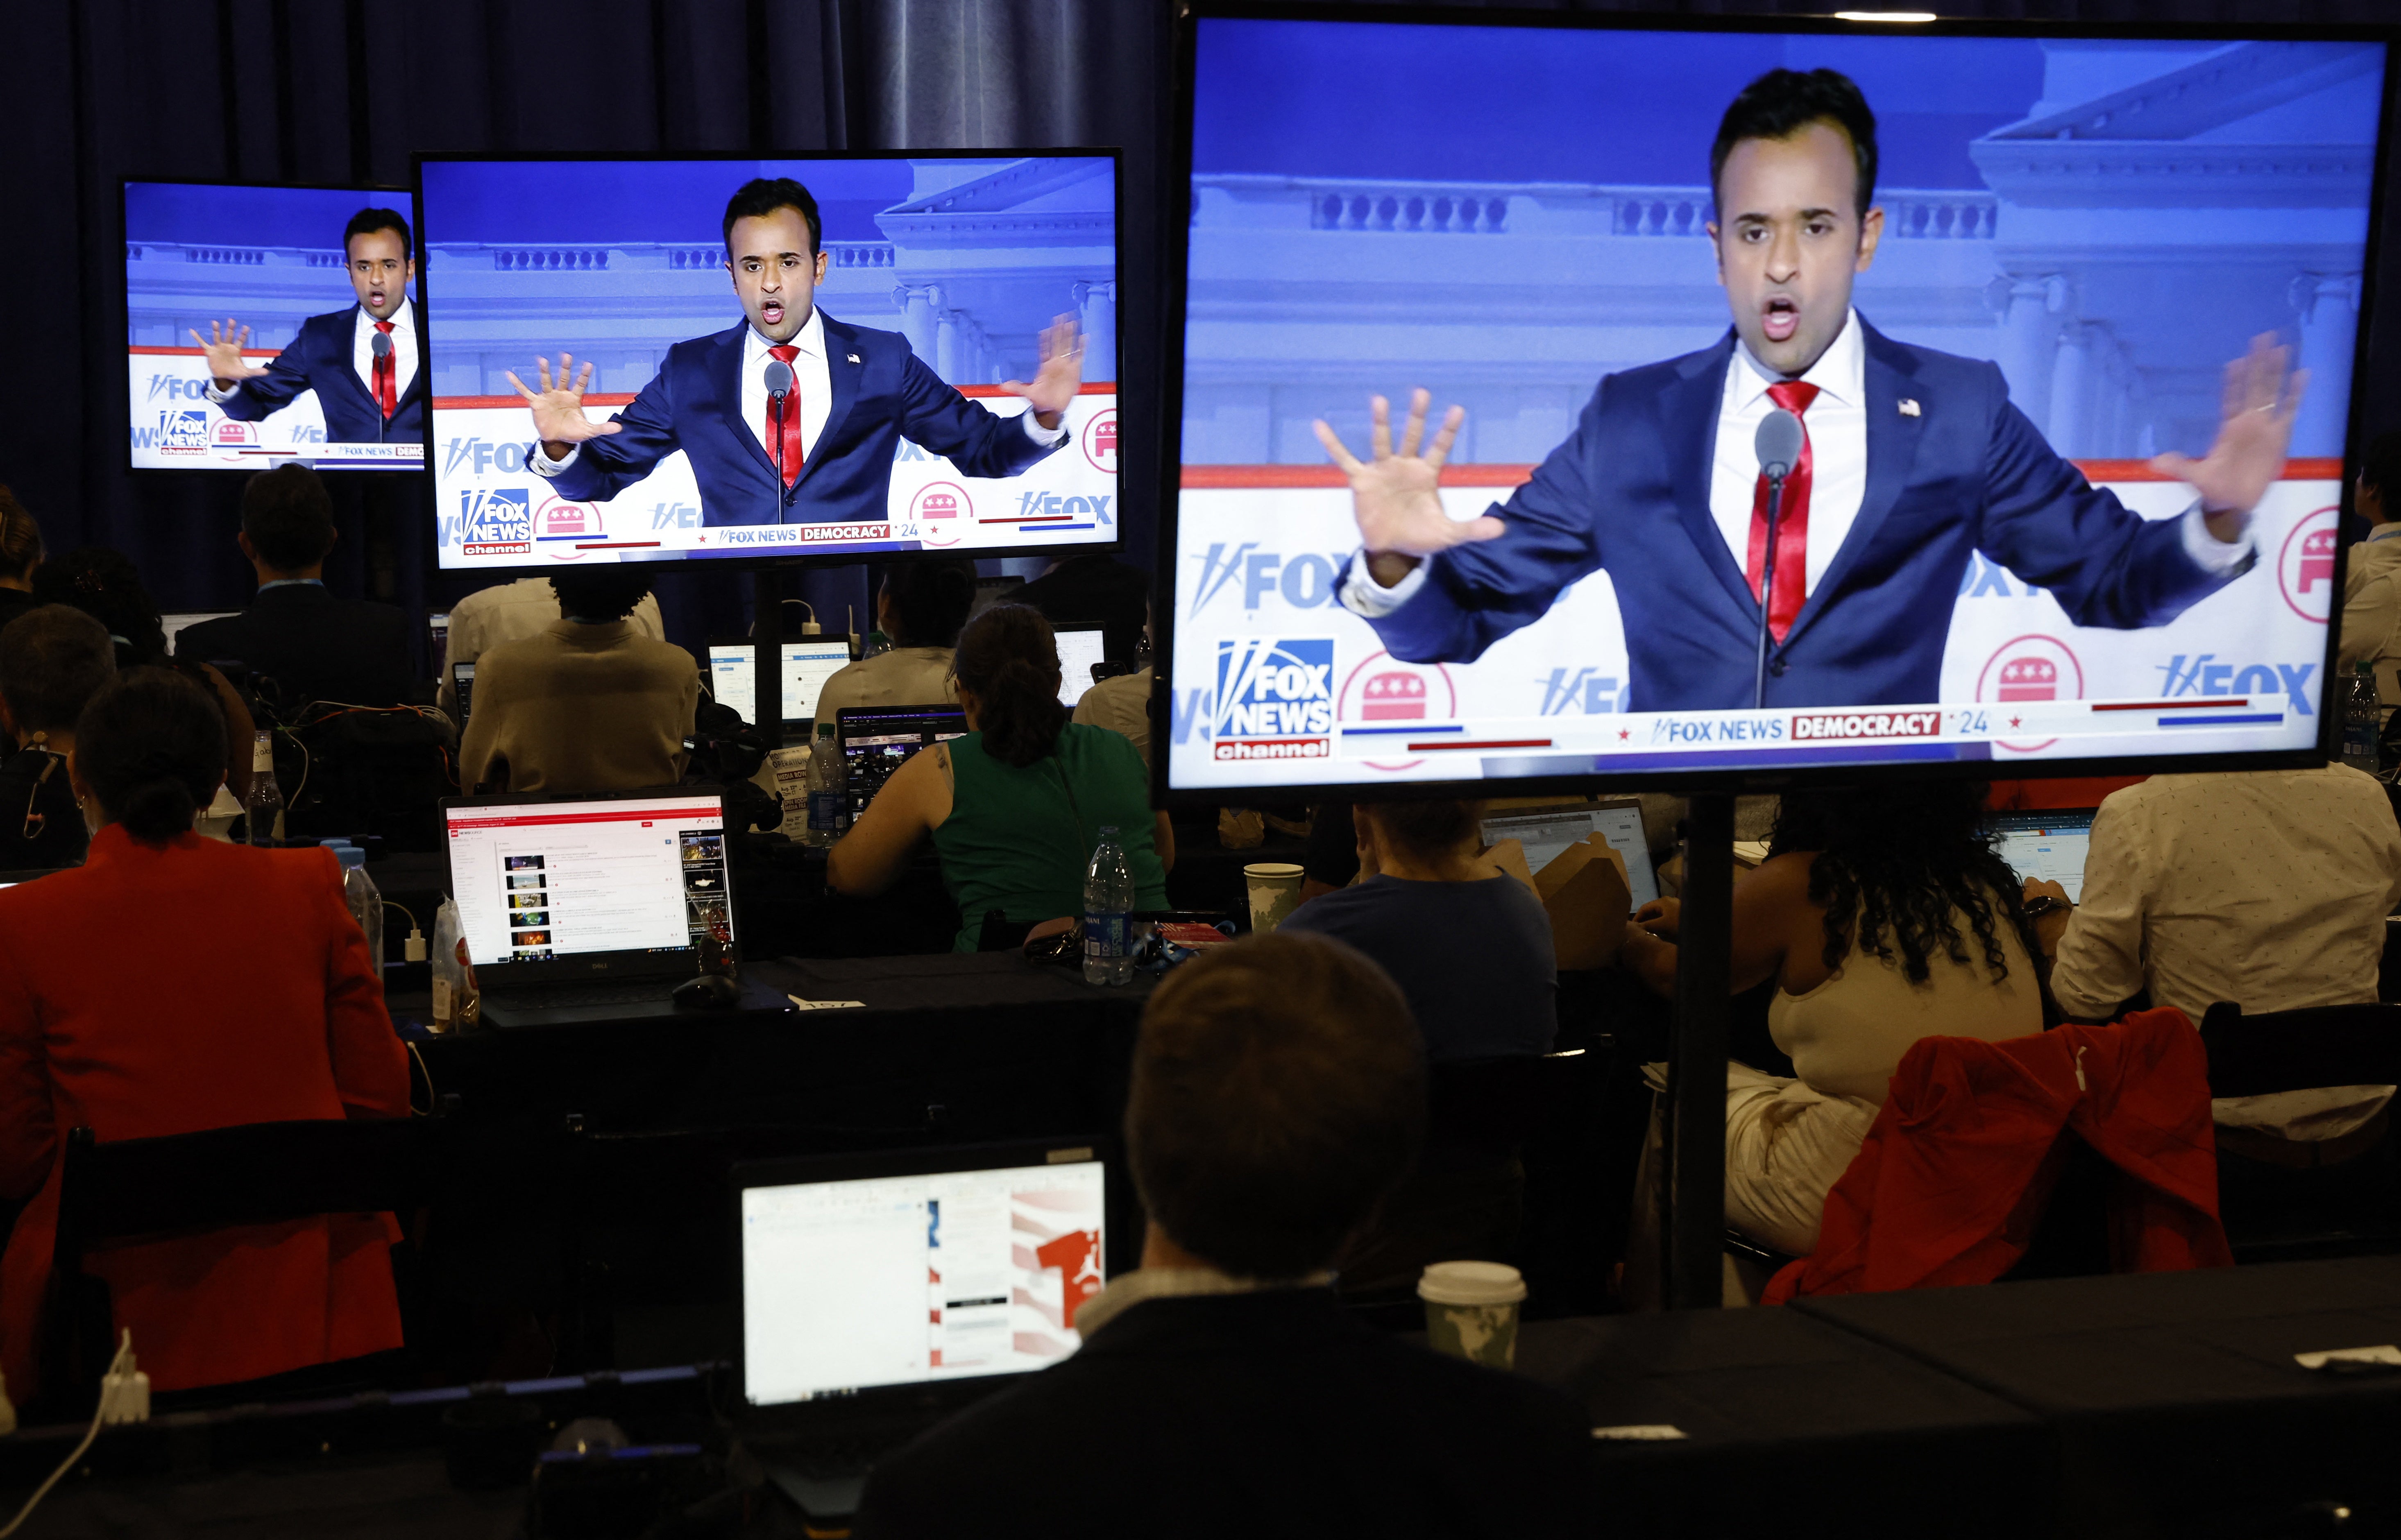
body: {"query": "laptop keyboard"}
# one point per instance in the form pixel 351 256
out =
pixel 553 997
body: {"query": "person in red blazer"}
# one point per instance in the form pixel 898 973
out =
pixel 174 984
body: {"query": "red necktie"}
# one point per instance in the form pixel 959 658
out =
pixel 790 427
pixel 385 368
pixel 1791 520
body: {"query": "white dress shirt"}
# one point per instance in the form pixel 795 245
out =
pixel 405 353
pixel 1837 424
pixel 812 389
pixel 2265 888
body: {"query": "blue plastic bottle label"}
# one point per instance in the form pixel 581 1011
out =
pixel 1105 935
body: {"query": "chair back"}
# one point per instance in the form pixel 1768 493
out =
pixel 2270 1051
pixel 182 1185
pixel 1498 1103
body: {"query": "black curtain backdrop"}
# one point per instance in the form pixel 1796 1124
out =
pixel 339 91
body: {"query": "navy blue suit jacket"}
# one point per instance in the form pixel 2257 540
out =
pixel 321 360
pixel 1629 491
pixel 882 394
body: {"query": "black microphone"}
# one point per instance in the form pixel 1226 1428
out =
pixel 380 346
pixel 1778 443
pixel 779 385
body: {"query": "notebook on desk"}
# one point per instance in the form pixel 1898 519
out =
pixel 881 1292
pixel 591 910
pixel 2048 845
pixel 878 740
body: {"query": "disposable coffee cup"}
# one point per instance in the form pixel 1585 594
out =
pixel 1275 892
pixel 1471 1311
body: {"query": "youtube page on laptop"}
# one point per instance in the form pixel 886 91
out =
pixel 538 882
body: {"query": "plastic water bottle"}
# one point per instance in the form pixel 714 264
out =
pixel 2363 721
pixel 359 892
pixel 1108 912
pixel 829 789
pixel 263 809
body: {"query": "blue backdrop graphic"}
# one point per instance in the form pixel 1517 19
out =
pixel 268 257
pixel 1503 215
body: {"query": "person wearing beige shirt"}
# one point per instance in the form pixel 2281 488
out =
pixel 921 607
pixel 510 612
pixel 2265 888
pixel 588 704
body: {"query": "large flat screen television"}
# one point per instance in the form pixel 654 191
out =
pixel 1617 248
pixel 252 317
pixel 941 330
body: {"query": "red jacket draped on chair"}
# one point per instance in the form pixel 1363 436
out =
pixel 167 989
pixel 1960 1161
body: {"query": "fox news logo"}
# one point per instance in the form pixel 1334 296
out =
pixel 495 521
pixel 1304 581
pixel 172 387
pixel 1275 699
pixel 183 432
pixel 480 455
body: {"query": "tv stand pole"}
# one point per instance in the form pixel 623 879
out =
pixel 1693 1239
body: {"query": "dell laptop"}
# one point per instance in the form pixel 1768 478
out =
pixel 881 1292
pixel 591 909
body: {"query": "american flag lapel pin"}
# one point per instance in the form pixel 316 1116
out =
pixel 853 358
pixel 1908 407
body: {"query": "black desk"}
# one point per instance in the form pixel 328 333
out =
pixel 1791 1428
pixel 2174 1398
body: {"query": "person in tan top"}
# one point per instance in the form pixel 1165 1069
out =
pixel 921 607
pixel 588 704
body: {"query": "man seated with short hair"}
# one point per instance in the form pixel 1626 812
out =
pixel 303 644
pixel 1278 1096
pixel 2265 888
pixel 53 660
pixel 587 704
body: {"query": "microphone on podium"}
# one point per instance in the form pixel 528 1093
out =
pixel 1778 444
pixel 380 346
pixel 778 377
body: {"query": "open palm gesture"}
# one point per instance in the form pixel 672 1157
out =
pixel 2261 395
pixel 222 345
pixel 1395 497
pixel 1060 377
pixel 558 418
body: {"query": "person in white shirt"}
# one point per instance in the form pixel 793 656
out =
pixel 2265 888
pixel 510 612
pixel 1121 703
pixel 2371 581
pixel 921 607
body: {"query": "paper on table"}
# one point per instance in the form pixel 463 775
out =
pixel 827 1004
pixel 2383 1353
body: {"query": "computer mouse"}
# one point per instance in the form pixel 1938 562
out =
pixel 707 991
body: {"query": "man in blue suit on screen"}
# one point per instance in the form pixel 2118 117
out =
pixel 791 416
pixel 1911 460
pixel 362 361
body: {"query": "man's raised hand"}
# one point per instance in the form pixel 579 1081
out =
pixel 223 345
pixel 1394 496
pixel 558 418
pixel 1060 377
pixel 2261 395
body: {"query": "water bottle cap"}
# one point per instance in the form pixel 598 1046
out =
pixel 350 855
pixel 1108 829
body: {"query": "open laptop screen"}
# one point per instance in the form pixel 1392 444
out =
pixel 2048 845
pixel 538 882
pixel 732 675
pixel 1546 832
pixel 849 1286
pixel 878 740
pixel 1080 648
pixel 173 625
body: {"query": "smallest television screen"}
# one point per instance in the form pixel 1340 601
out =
pixel 266 324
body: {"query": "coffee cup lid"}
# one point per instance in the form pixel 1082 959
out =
pixel 1271 869
pixel 1471 1283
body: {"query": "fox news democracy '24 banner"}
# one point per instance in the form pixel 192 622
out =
pixel 1547 227
pixel 615 262
pixel 267 257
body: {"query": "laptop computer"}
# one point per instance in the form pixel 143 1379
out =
pixel 878 740
pixel 734 669
pixel 591 909
pixel 881 1292
pixel 2048 845
pixel 1080 649
pixel 174 624
pixel 1545 832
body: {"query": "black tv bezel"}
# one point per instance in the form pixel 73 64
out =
pixel 125 313
pixel 1176 253
pixel 432 495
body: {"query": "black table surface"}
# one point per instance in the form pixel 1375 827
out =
pixel 1776 1407
pixel 2176 1396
